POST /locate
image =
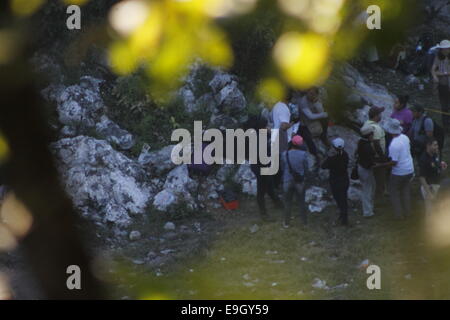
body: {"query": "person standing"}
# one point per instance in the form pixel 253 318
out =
pixel 295 166
pixel 441 77
pixel 281 120
pixel 366 162
pixel 422 128
pixel 402 169
pixel 265 183
pixel 313 116
pixel 402 113
pixel 337 162
pixel 379 145
pixel 430 173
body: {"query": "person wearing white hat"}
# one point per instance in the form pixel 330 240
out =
pixel 441 77
pixel 337 162
pixel 402 169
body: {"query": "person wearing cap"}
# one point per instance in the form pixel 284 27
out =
pixel 366 155
pixel 337 162
pixel 421 129
pixel 441 77
pixel 402 169
pixel 379 145
pixel 294 164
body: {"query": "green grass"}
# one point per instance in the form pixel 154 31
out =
pixel 234 263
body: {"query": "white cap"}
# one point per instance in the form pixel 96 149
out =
pixel 338 143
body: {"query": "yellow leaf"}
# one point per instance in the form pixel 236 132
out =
pixel 303 58
pixel 25 7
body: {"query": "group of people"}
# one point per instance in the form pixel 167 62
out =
pixel 385 155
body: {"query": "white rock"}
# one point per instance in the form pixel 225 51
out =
pixel 314 198
pixel 164 199
pixel 135 235
pixel 178 180
pixel 219 81
pixel 104 184
pixel 230 99
pixel 245 177
pixel 254 228
pixel 158 162
pixel 320 284
pixel 169 226
pixel 80 105
pixel 110 131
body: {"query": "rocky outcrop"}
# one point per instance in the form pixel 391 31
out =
pixel 110 131
pixel 367 93
pixel 105 185
pixel 177 190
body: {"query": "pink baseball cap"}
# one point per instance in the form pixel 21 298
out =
pixel 297 141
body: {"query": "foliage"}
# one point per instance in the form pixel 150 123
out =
pixel 131 93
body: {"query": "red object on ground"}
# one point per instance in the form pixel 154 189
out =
pixel 233 205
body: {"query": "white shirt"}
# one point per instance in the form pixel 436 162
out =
pixel 280 114
pixel 400 152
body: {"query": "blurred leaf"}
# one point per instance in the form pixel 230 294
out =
pixel 303 58
pixel 25 7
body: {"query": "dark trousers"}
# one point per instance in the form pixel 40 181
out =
pixel 444 98
pixel 401 194
pixel 380 180
pixel 307 137
pixel 290 188
pixel 339 189
pixel 265 185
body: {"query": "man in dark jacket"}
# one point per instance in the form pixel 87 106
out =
pixel 265 183
pixel 337 163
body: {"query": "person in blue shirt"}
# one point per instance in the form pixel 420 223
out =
pixel 295 166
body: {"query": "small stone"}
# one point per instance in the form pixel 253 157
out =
pixel 246 277
pixel 320 284
pixel 304 259
pixel 138 261
pixel 135 235
pixel 167 251
pixel 408 277
pixel 223 259
pixel 254 228
pixel 169 226
pixel 248 284
pixel 364 264
pixel 341 286
pixel 274 284
pixel 268 252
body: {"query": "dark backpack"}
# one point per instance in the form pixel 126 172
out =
pixel 298 178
